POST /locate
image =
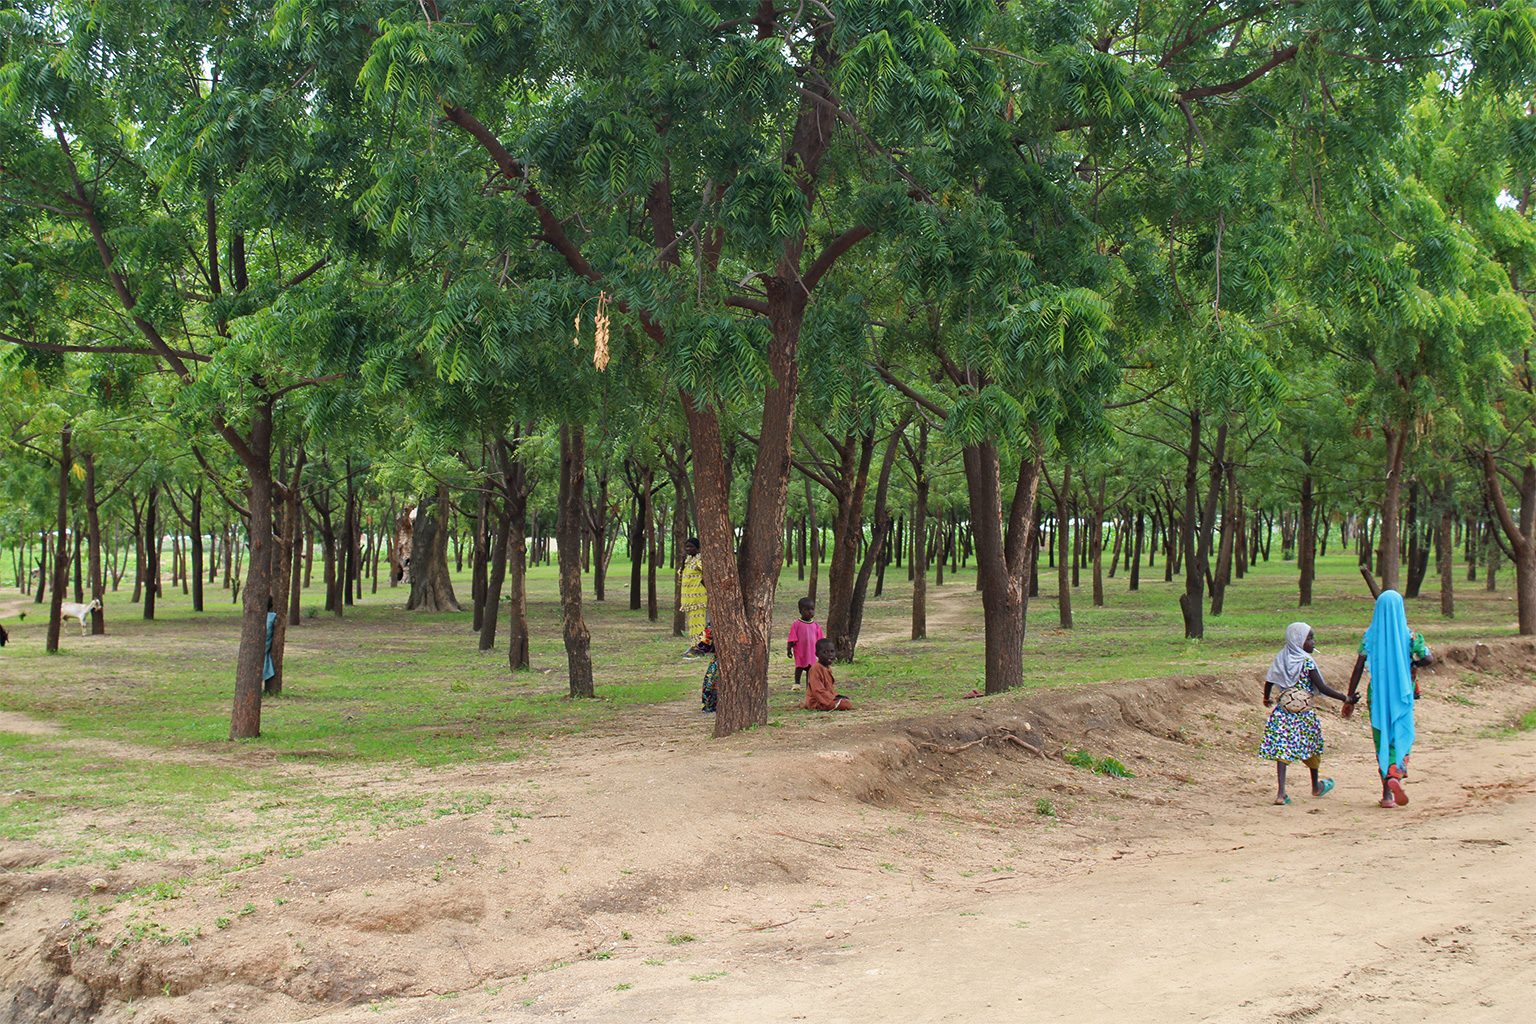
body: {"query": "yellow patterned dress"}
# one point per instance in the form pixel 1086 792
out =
pixel 694 598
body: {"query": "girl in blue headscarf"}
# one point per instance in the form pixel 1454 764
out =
pixel 1393 653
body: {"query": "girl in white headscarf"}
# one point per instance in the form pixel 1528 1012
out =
pixel 1293 732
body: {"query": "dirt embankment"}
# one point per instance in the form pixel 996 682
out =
pixel 751 857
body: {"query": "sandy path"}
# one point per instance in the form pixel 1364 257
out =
pixel 839 874
pixel 1229 910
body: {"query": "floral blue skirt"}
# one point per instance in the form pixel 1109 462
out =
pixel 710 675
pixel 1291 735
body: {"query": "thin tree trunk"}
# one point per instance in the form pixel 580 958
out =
pixel 578 641
pixel 61 558
pixel 152 551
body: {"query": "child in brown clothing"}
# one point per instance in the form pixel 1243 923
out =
pixel 820 688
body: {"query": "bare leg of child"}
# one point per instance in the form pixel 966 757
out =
pixel 1319 786
pixel 1280 797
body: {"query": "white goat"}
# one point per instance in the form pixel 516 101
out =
pixel 72 610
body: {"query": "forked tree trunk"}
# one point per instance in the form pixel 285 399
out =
pixel 741 589
pixel 1521 535
pixel 578 641
pixel 1002 557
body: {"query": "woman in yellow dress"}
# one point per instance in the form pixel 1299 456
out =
pixel 695 600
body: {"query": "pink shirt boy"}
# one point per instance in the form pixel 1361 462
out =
pixel 804 635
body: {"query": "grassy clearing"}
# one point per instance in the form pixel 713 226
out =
pixel 145 710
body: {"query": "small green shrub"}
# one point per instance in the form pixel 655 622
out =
pixel 1045 808
pixel 1101 765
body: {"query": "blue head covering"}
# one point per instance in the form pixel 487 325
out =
pixel 1386 655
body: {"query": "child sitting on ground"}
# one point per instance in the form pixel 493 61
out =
pixel 803 637
pixel 820 687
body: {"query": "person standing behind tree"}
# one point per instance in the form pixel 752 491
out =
pixel 695 599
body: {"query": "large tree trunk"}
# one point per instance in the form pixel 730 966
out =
pixel 1388 559
pixel 1521 536
pixel 245 715
pixel 431 586
pixel 61 557
pixel 578 641
pixel 1002 557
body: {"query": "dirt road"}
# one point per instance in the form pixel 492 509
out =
pixel 928 872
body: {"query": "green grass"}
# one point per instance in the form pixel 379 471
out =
pixel 145 711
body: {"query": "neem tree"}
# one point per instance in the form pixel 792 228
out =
pixel 704 166
pixel 172 196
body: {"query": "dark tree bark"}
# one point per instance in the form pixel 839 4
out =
pixel 1063 544
pixel 195 512
pixel 1445 548
pixel 1141 527
pixel 1222 577
pixel 1097 551
pixel 875 554
pixel 431 586
pixel 93 505
pixel 519 487
pixel 814 544
pixel 480 555
pixel 918 457
pixel 1388 560
pixel 491 602
pixel 245 716
pixel 1306 546
pixel 578 641
pixel 1196 548
pixel 1002 557
pixel 61 556
pixel 152 550
pixel 290 513
pixel 847 482
pixel 1521 535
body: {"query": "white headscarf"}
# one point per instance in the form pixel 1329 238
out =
pixel 1285 670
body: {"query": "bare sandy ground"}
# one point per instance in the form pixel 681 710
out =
pixel 849 872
